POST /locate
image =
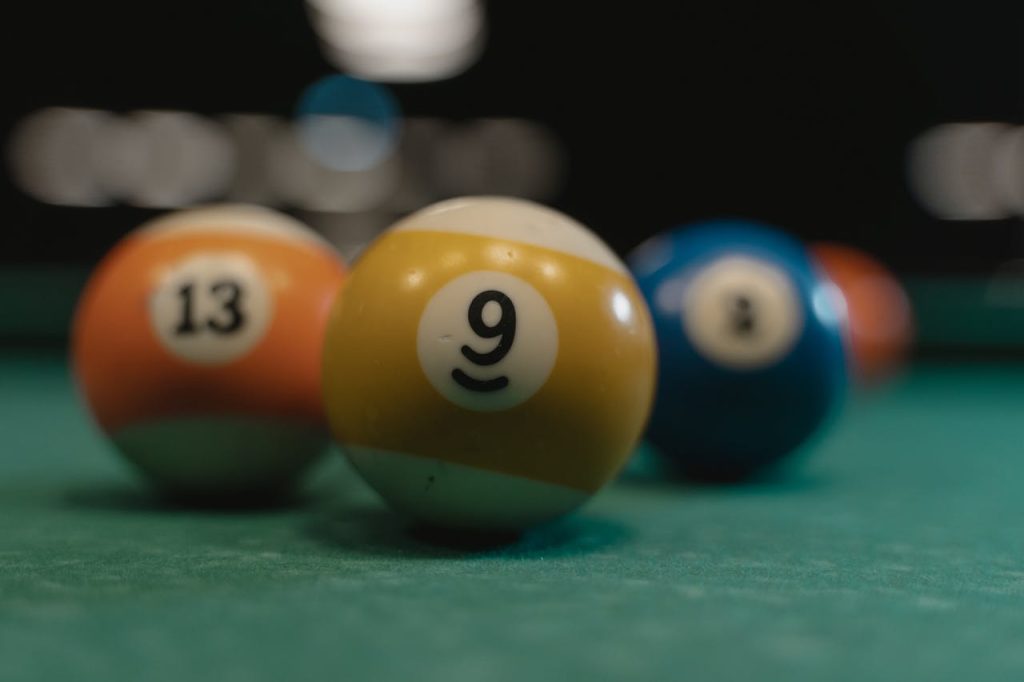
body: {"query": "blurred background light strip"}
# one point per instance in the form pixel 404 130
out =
pixel 1008 166
pixel 399 40
pixel 52 156
pixel 347 124
pixel 968 171
pixel 302 182
pixel 253 136
pixel 506 156
pixel 163 159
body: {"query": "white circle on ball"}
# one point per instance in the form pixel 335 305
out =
pixel 487 341
pixel 211 308
pixel 742 313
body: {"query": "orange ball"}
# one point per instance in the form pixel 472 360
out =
pixel 197 346
pixel 879 314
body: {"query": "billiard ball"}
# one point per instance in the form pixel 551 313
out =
pixel 879 315
pixel 196 345
pixel 752 359
pixel 489 365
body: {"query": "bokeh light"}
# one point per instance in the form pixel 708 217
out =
pixel 300 180
pixel 399 40
pixel 164 159
pixel 1008 168
pixel 965 171
pixel 347 124
pixel 52 156
pixel 252 135
pixel 498 156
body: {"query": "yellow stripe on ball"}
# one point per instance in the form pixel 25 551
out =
pixel 574 429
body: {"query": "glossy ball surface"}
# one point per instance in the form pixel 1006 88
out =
pixel 196 345
pixel 489 364
pixel 751 350
pixel 879 315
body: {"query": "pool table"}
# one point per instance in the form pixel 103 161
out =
pixel 893 550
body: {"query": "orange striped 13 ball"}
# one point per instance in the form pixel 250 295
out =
pixel 197 345
pixel 489 364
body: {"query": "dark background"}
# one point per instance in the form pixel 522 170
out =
pixel 794 113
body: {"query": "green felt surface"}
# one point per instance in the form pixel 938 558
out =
pixel 896 552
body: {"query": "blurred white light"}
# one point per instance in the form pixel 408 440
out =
pixel 347 124
pixel 622 308
pixel 953 171
pixel 505 156
pixel 346 143
pixel 1008 168
pixel 165 159
pixel 407 68
pixel 396 10
pixel 302 182
pixel 399 40
pixel 829 304
pixel 122 165
pixel 651 255
pixel 52 156
pixel 252 135
pixel 671 295
pixel 420 137
pixel 382 35
pixel 81 157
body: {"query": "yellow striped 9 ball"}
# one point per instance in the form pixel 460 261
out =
pixel 489 364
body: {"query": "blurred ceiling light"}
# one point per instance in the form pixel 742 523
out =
pixel 420 137
pixel 83 157
pixel 301 181
pixel 165 159
pixel 372 31
pixel 954 174
pixel 400 40
pixel 1008 163
pixel 251 134
pixel 508 156
pixel 419 68
pixel 52 153
pixel 347 124
pixel 394 10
